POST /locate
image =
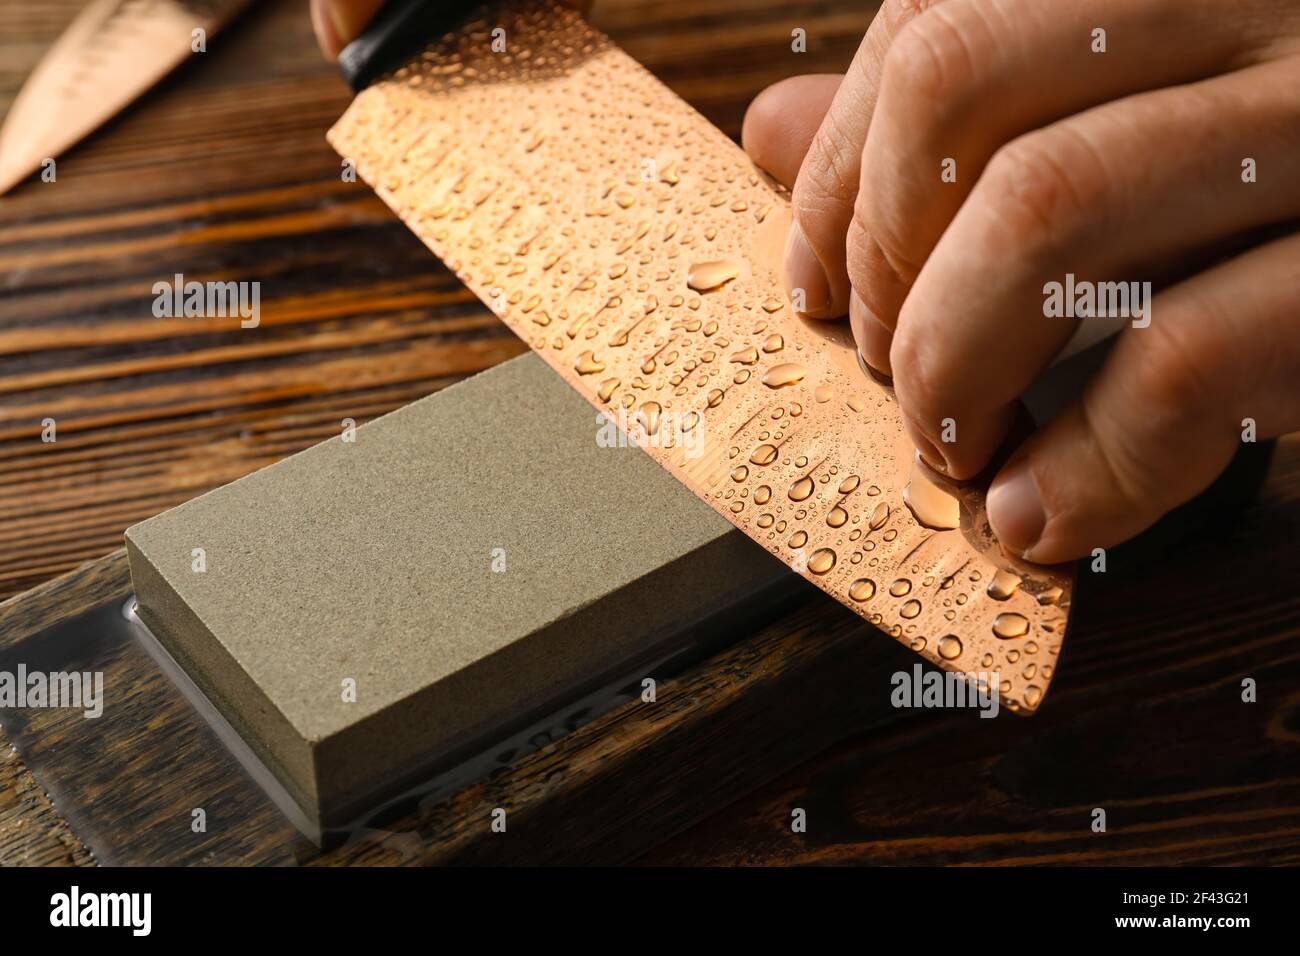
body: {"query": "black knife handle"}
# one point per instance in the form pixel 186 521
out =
pixel 399 31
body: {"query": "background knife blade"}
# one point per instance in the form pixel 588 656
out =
pixel 111 53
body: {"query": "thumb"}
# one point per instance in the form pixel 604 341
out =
pixel 1219 364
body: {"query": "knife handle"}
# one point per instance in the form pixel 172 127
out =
pixel 398 31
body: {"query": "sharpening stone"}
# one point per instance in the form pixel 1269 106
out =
pixel 461 563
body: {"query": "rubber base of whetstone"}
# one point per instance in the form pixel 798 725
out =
pixel 364 605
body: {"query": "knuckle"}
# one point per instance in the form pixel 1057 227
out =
pixel 899 13
pixel 859 247
pixel 929 59
pixel 1039 196
pixel 1166 432
pixel 1125 467
pixel 878 237
pixel 1171 398
pixel 879 278
pixel 1177 380
pixel 830 171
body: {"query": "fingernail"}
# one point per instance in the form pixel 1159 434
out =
pixel 929 453
pixel 803 272
pixel 1016 510
pixel 872 337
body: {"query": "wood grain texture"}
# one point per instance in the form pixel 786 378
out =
pixel 223 172
pixel 32 832
pixel 1146 721
pixel 1185 770
pixel 64 598
pixel 131 778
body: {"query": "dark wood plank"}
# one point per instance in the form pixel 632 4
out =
pixel 223 173
pixel 64 598
pixel 724 726
pixel 32 832
pixel 1145 720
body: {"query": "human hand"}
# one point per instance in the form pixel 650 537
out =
pixel 1138 163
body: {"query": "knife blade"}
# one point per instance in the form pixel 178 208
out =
pixel 636 248
pixel 111 53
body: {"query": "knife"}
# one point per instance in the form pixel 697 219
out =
pixel 111 53
pixel 636 249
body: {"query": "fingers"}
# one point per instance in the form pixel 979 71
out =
pixel 338 22
pixel 971 75
pixel 1098 196
pixel 815 273
pixel 1165 414
pixel 781 122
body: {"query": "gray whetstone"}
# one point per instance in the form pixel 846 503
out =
pixel 373 560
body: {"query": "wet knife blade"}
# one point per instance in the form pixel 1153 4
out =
pixel 636 249
pixel 110 54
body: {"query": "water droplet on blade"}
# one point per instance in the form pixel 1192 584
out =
pixel 863 589
pixel 802 489
pixel 706 276
pixel 821 561
pixel 949 647
pixel 787 373
pixel 932 507
pixel 588 364
pixel 1003 585
pixel 1010 624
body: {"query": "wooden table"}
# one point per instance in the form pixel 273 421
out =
pixel 222 173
